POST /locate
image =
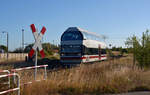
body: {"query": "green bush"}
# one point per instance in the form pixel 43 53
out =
pixel 140 48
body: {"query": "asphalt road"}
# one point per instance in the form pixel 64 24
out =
pixel 136 93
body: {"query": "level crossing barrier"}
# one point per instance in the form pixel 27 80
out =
pixel 33 67
pixel 14 89
pixel 6 71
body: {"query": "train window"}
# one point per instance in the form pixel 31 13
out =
pixel 103 51
pixel 71 54
pixel 72 35
pixel 90 51
pixel 93 51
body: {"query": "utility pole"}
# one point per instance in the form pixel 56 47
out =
pixel 7 43
pixel 22 40
pixel 22 43
pixel 7 46
pixel 53 42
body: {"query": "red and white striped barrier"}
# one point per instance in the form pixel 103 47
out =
pixel 14 89
pixel 6 71
pixel 33 67
pixel 37 43
pixel 3 71
pixel 26 68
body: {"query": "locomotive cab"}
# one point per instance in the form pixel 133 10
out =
pixel 71 46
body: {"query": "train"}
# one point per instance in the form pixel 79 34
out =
pixel 77 47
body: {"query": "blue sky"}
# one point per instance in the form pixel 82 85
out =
pixel 116 19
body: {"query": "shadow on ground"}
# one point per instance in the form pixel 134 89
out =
pixel 52 63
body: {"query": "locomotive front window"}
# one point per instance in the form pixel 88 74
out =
pixel 72 35
pixel 70 48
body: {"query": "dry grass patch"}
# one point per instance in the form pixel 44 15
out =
pixel 115 76
pixel 95 79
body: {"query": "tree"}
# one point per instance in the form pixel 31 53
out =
pixel 140 49
pixel 28 48
pixel 48 48
pixel 18 50
pixel 4 48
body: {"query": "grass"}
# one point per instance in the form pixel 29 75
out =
pixel 93 79
pixel 112 76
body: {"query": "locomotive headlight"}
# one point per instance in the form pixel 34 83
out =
pixel 62 54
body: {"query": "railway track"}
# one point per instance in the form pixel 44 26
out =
pixel 53 65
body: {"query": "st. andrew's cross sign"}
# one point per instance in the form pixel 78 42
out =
pixel 37 44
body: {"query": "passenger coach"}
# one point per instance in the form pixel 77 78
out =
pixel 77 48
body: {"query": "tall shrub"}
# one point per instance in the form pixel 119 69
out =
pixel 140 48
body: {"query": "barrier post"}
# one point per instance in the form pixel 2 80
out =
pixel 18 84
pixel 14 77
pixel 35 72
pixel 14 89
pixel 45 77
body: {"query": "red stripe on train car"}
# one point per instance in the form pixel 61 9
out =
pixel 71 58
pixel 79 58
pixel 94 57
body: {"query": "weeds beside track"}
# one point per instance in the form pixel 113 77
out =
pixel 94 79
